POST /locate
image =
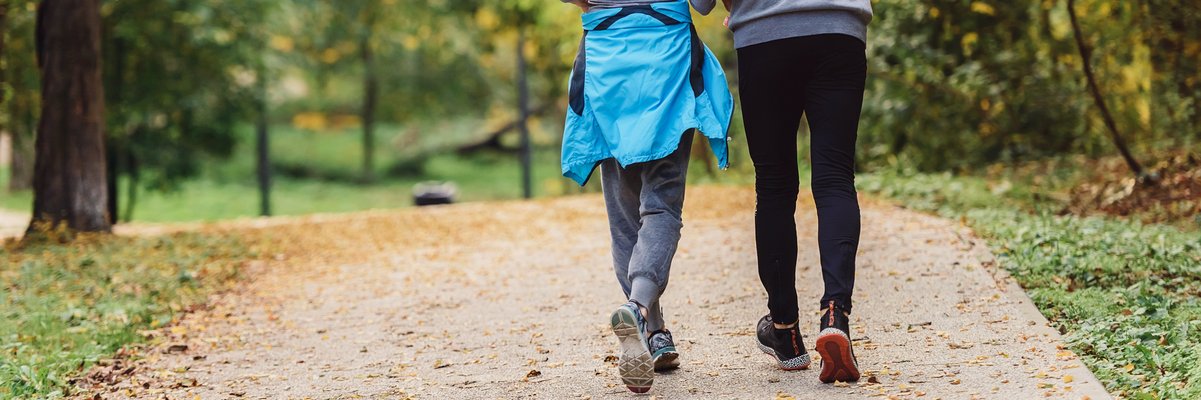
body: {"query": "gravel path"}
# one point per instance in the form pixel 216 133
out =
pixel 12 224
pixel 510 300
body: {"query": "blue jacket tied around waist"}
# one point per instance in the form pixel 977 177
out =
pixel 641 80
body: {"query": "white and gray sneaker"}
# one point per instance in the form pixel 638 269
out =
pixel 635 364
pixel 663 350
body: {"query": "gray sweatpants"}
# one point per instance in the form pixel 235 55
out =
pixel 645 202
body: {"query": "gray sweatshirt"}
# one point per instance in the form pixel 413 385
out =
pixel 759 21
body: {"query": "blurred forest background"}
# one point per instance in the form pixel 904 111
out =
pixel 1065 133
pixel 361 99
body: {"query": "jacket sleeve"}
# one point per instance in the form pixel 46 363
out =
pixel 704 6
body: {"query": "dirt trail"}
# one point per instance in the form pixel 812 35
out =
pixel 510 300
pixel 12 224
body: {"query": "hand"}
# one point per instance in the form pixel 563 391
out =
pixel 729 7
pixel 584 6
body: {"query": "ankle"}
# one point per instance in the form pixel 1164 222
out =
pixel 785 326
pixel 642 310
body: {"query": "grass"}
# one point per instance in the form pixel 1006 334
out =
pixel 484 177
pixel 326 167
pixel 64 307
pixel 332 161
pixel 1124 294
pixel 12 201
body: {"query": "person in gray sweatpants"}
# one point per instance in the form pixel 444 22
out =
pixel 645 202
pixel 642 85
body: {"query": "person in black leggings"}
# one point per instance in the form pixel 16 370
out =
pixel 821 77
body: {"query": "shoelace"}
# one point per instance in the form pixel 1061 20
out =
pixel 831 308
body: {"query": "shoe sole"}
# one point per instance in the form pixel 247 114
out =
pixel 838 363
pixel 635 366
pixel 797 363
pixel 667 360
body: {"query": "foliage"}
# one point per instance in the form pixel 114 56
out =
pixel 20 87
pixel 65 307
pixel 422 55
pixel 179 75
pixel 961 84
pixel 1123 293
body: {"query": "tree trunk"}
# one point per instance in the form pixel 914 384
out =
pixel 262 146
pixel 700 151
pixel 1114 134
pixel 491 140
pixel 523 115
pixel 5 142
pixel 21 168
pixel 370 95
pixel 129 164
pixel 69 182
pixel 119 154
pixel 3 25
pixel 113 161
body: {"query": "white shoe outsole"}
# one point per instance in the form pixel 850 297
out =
pixel 635 366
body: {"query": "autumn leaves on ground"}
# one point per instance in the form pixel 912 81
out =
pixel 508 300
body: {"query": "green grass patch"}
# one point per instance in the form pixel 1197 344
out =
pixel 62 308
pixel 1124 294
pixel 13 201
pixel 227 188
pixel 481 177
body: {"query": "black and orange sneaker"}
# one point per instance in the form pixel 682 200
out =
pixel 785 345
pixel 834 345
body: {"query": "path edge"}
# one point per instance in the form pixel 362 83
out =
pixel 982 252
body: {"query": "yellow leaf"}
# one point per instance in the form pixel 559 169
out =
pixel 486 19
pixel 330 56
pixel 282 43
pixel 983 8
pixel 411 42
pixel 1129 367
pixel 1068 379
pixel 968 41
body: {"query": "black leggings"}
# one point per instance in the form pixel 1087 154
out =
pixel 821 77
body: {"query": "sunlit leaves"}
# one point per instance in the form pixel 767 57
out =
pixel 982 8
pixel 931 62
